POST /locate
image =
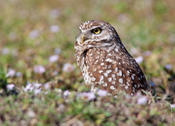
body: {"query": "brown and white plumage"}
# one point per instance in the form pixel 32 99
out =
pixel 104 61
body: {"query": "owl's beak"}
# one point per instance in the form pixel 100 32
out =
pixel 82 39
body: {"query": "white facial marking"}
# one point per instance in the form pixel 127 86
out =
pixel 104 44
pixel 111 48
pixel 79 39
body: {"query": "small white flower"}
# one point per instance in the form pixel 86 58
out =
pixel 54 28
pixel 35 87
pixel 142 100
pixel 33 34
pixel 47 86
pixel 139 59
pixel 68 67
pixel 31 114
pixel 37 91
pixel 57 51
pixel 87 95
pixel 18 74
pixel 53 58
pixel 102 93
pixel 172 106
pixel 66 93
pixel 11 73
pixel 59 91
pixel 39 69
pixel 5 51
pixel 28 87
pixel 10 87
pixel 168 66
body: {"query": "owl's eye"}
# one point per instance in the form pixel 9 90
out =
pixel 96 30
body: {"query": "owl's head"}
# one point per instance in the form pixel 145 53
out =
pixel 96 34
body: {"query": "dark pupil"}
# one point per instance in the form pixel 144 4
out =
pixel 96 30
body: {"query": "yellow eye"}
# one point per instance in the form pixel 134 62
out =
pixel 96 30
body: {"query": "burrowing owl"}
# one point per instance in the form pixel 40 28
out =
pixel 104 61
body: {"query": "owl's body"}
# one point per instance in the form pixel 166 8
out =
pixel 104 61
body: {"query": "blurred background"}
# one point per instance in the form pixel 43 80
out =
pixel 37 39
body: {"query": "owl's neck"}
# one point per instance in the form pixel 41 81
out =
pixel 112 46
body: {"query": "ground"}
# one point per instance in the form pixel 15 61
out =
pixel 40 83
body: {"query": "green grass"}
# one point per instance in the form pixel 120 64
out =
pixel 146 28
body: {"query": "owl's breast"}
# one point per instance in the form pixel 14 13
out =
pixel 88 61
pixel 90 65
